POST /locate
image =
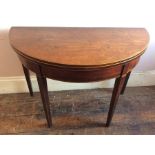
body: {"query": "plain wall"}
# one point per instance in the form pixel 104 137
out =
pixel 92 13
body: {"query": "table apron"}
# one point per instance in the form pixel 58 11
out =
pixel 75 74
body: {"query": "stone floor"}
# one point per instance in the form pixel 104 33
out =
pixel 81 112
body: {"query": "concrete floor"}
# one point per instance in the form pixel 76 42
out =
pixel 80 112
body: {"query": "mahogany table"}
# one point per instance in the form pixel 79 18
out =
pixel 78 55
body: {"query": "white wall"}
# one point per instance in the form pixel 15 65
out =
pixel 93 13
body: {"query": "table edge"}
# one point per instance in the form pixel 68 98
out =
pixel 80 66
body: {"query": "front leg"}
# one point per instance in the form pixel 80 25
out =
pixel 119 83
pixel 115 95
pixel 45 99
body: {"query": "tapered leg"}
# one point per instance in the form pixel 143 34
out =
pixel 45 99
pixel 125 83
pixel 28 80
pixel 115 95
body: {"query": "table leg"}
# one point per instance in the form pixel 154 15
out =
pixel 28 80
pixel 115 95
pixel 125 83
pixel 45 99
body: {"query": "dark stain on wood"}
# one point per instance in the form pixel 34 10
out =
pixel 79 112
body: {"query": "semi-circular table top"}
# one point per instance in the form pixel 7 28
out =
pixel 84 47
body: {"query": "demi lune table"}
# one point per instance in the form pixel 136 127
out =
pixel 78 55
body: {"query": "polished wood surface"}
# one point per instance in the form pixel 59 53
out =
pixel 79 55
pixel 79 46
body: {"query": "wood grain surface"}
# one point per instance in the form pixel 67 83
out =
pixel 79 112
pixel 79 46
